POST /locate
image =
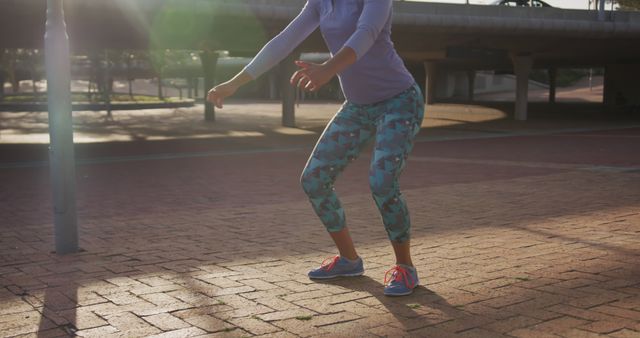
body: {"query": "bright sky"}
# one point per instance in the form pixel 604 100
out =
pixel 579 4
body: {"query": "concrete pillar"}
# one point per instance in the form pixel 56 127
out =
pixel 608 97
pixel 108 83
pixel 471 83
pixel 418 73
pixel 522 65
pixel 287 68
pixel 273 85
pixel 61 152
pixel 601 10
pixel 431 72
pixel 553 82
pixel 621 86
pixel 2 79
pixel 209 61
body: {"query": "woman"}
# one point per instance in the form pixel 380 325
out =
pixel 382 103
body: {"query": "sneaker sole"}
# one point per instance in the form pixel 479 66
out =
pixel 355 274
pixel 400 294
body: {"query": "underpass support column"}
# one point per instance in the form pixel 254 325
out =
pixel 61 152
pixel 522 65
pixel 287 68
pixel 431 72
pixel 471 82
pixel 209 60
pixel 621 86
pixel 2 79
pixel 553 80
pixel 273 85
pixel 601 10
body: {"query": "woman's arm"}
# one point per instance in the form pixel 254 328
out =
pixel 218 93
pixel 373 18
pixel 272 53
pixel 312 76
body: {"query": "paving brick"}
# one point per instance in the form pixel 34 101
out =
pixel 624 333
pixel 560 325
pixel 130 324
pixel 244 312
pixel 166 322
pixel 529 333
pixel 511 324
pixel 387 331
pixel 603 326
pixel 254 326
pixel 179 333
pixel 123 298
pixel 97 332
pixel 208 323
pixel 618 312
pixel 480 333
pixel 577 333
pixel 285 314
pixel 82 319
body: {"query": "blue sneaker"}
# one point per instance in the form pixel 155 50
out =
pixel 402 282
pixel 337 267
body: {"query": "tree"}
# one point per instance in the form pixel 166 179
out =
pixel 9 60
pixel 627 5
pixel 34 60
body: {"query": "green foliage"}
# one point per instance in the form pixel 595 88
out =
pixel 628 5
pixel 176 26
pixel 22 64
pixel 84 98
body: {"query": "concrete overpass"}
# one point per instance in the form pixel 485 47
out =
pixel 433 38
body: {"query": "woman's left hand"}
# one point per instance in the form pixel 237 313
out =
pixel 311 76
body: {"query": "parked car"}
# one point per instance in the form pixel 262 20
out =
pixel 521 3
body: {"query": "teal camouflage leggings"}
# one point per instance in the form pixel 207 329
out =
pixel 394 124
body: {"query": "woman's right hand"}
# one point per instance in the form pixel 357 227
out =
pixel 218 93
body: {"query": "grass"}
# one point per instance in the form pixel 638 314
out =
pixel 414 305
pixel 85 98
pixel 523 278
pixel 304 317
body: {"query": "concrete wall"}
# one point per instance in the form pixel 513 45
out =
pixel 455 84
pixel 622 85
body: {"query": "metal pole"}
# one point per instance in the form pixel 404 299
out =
pixel 209 60
pixel 287 68
pixel 61 153
pixel 601 10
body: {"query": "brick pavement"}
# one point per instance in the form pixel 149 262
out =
pixel 514 236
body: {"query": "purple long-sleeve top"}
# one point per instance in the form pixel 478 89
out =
pixel 364 26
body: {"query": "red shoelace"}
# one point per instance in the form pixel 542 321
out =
pixel 329 263
pixel 399 274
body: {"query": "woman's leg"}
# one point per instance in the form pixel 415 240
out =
pixel 403 252
pixel 344 243
pixel 396 130
pixel 340 143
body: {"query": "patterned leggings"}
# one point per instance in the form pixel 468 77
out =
pixel 394 123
